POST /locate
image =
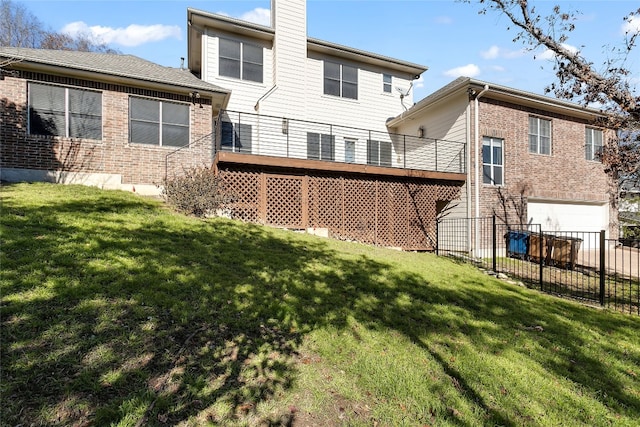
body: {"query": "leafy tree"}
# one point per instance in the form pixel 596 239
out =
pixel 21 28
pixel 608 85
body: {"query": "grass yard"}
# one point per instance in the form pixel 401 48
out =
pixel 116 311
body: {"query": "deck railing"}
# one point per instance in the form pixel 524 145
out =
pixel 297 139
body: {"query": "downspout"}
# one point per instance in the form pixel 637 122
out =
pixel 468 186
pixel 263 97
pixel 478 149
pixel 257 109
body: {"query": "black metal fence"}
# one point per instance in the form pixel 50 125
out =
pixel 581 265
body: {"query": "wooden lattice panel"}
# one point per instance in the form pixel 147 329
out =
pixel 399 210
pixel 243 187
pixel 360 210
pixel 382 211
pixel 284 201
pixel 326 203
pixel 422 223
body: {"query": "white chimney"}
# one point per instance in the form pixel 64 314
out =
pixel 289 19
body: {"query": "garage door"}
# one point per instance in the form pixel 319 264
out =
pixel 569 216
pixel 580 217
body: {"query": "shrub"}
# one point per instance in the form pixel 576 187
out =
pixel 198 192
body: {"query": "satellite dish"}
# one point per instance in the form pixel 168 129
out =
pixel 402 92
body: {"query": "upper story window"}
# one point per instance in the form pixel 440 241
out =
pixel 340 80
pixel 539 135
pixel 157 122
pixel 593 144
pixel 492 161
pixel 241 60
pixel 386 83
pixel 63 111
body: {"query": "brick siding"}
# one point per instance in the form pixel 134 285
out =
pixel 114 154
pixel 565 175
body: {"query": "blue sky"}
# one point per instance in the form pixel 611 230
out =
pixel 449 37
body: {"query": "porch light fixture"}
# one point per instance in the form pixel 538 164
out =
pixel 285 126
pixel 195 97
pixel 421 132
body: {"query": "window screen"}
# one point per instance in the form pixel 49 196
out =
pixel 65 112
pixel 158 123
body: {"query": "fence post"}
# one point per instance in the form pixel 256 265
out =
pixel 602 266
pixel 437 237
pixel 404 149
pixel 543 244
pixel 494 244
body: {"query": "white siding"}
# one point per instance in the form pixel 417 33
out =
pixel 289 58
pixel 303 97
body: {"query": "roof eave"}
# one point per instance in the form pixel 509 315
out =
pixel 414 70
pixel 498 92
pixel 26 65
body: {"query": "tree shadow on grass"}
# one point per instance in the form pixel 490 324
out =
pixel 116 313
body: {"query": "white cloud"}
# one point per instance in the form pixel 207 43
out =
pixel 496 52
pixel 631 26
pixel 444 20
pixel 492 53
pixel 133 35
pixel 419 83
pixel 258 16
pixel 548 54
pixel 469 70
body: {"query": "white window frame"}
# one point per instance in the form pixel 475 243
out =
pixel 340 79
pixel 350 149
pixel 67 110
pixel 161 122
pixel 387 83
pixel 242 60
pixel 536 136
pixel 377 159
pixel 492 143
pixel 592 150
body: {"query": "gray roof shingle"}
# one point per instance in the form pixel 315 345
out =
pixel 127 66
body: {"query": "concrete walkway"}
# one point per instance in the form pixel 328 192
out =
pixel 623 260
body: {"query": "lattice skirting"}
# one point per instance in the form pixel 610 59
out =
pixel 392 212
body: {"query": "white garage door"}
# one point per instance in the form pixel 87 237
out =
pixel 569 216
pixel 575 217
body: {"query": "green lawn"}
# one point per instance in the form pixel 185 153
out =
pixel 116 311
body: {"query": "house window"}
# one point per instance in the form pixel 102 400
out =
pixel 160 123
pixel 386 83
pixel 349 150
pixel 340 80
pixel 539 135
pixel 66 112
pixel 240 60
pixel 236 137
pixel 492 161
pixel 320 146
pixel 593 144
pixel 379 153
